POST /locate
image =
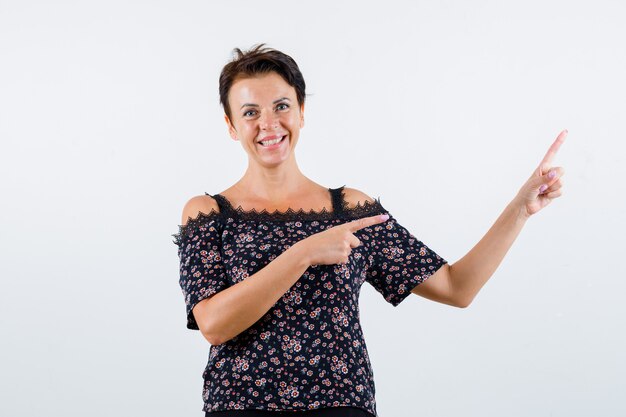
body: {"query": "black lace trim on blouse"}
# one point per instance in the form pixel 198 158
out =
pixel 340 210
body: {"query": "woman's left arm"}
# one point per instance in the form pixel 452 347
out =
pixel 458 284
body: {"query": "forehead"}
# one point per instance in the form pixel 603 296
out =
pixel 260 88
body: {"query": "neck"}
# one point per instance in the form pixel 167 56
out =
pixel 273 183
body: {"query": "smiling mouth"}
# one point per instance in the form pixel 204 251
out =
pixel 269 143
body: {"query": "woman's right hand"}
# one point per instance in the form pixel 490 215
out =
pixel 334 245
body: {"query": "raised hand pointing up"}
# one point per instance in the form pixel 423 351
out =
pixel 544 184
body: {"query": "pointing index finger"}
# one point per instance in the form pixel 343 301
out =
pixel 547 160
pixel 357 224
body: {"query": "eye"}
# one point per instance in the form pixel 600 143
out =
pixel 249 113
pixel 282 106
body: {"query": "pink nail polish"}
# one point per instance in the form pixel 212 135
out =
pixel 543 188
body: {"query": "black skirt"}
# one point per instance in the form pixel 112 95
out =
pixel 322 412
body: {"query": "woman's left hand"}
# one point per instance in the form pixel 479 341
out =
pixel 544 184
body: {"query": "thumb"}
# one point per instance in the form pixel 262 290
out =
pixel 543 169
pixel 543 182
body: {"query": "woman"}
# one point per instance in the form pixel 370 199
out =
pixel 271 267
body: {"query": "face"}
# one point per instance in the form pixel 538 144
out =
pixel 265 108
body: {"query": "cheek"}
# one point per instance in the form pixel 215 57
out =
pixel 292 121
pixel 247 128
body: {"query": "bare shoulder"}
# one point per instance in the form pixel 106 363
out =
pixel 196 205
pixel 354 197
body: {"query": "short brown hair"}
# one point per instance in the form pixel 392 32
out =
pixel 260 60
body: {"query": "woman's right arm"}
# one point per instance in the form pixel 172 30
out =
pixel 234 309
pixel 229 312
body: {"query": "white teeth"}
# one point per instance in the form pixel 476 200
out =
pixel 271 142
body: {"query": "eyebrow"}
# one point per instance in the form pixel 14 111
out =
pixel 256 105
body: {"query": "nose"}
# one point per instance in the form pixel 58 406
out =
pixel 268 121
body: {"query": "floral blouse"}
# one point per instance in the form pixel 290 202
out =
pixel 307 352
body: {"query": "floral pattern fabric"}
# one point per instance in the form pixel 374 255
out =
pixel 307 352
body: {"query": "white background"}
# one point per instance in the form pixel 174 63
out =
pixel 110 122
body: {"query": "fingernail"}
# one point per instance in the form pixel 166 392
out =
pixel 551 174
pixel 384 217
pixel 543 188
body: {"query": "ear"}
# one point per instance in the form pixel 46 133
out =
pixel 301 116
pixel 231 129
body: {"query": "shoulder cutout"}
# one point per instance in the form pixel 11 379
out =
pixel 196 205
pixel 352 196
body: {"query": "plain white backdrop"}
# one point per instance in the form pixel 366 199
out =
pixel 110 122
